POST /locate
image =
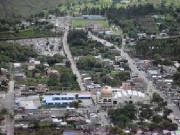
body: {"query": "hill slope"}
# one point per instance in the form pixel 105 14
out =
pixel 26 7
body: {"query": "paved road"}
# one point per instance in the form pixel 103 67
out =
pixel 69 56
pixel 150 87
pixel 9 105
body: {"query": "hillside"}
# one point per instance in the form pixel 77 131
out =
pixel 26 7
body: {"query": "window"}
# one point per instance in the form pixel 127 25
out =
pixel 114 102
pixel 105 100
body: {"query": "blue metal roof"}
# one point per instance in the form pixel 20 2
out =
pixel 71 133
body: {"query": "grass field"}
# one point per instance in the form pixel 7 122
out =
pixel 84 22
pixel 28 33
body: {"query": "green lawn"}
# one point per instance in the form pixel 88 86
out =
pixel 28 33
pixel 84 22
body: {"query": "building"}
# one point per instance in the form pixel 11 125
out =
pixel 58 100
pixel 93 17
pixel 63 99
pixel 71 132
pixel 110 97
pixel 126 86
pixel 52 72
pixel 19 76
pixel 95 27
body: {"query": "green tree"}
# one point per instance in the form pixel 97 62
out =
pixel 53 80
pixel 157 119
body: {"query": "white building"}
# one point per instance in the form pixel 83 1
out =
pixel 113 97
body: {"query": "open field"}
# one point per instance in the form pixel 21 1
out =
pixel 84 22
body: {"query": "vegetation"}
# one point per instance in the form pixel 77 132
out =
pixel 115 39
pixel 88 63
pixel 51 60
pixel 122 117
pixel 26 8
pixel 84 22
pixel 41 128
pixel 157 48
pixel 147 117
pixel 13 29
pixel 13 52
pixel 65 81
pixel 80 45
pixel 176 78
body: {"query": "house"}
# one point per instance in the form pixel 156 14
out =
pixel 42 88
pixel 4 71
pixel 126 86
pixel 19 76
pixel 35 62
pixel 52 72
pixel 93 17
pixel 17 65
pixel 31 67
pixel 153 73
pixel 25 24
pixel 118 58
pixel 108 32
pixel 87 80
pixel 141 35
pixel 163 34
pixel 108 62
pixel 95 27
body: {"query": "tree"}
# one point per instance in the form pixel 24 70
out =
pixel 116 131
pixel 75 104
pixel 167 112
pixel 35 123
pixel 123 116
pixel 157 119
pixel 53 80
pixel 3 111
pixel 157 59
pixel 145 111
pixel 156 98
pixel 88 62
pixel 176 78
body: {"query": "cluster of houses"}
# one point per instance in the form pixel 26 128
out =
pixel 4 79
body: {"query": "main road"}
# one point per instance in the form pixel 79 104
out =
pixel 70 58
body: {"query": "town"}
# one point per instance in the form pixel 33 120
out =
pixel 90 73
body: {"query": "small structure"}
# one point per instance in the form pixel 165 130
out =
pixel 71 132
pixel 52 72
pixel 141 35
pixel 17 65
pixel 126 86
pixel 19 76
pixel 93 17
